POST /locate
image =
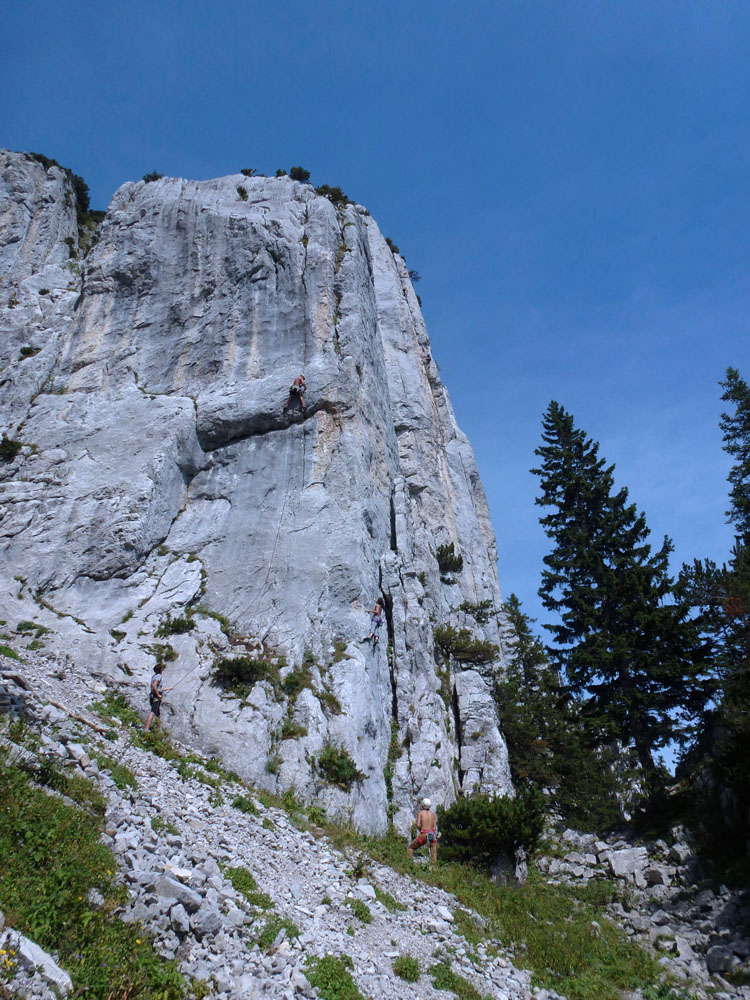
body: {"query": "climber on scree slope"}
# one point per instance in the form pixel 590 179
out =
pixel 377 621
pixel 426 832
pixel 296 395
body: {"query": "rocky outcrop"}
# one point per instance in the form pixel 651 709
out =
pixel 699 929
pixel 159 472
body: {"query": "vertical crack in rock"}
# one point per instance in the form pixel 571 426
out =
pixel 459 733
pixel 388 605
pixel 394 537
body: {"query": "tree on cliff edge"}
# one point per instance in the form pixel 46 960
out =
pixel 626 652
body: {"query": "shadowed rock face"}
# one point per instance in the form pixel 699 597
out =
pixel 164 471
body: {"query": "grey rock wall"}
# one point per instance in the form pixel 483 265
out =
pixel 159 470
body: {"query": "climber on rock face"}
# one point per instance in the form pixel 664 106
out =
pixel 426 832
pixel 296 394
pixel 377 621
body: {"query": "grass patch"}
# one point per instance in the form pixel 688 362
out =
pixel 444 978
pixel 9 448
pixel 297 680
pixel 329 702
pixel 161 825
pixel 11 653
pixel 317 814
pixel 245 804
pixel 406 968
pixel 122 776
pixel 187 773
pixel 271 930
pixel 291 730
pixel 52 856
pixel 243 881
pixel 467 927
pixel 331 977
pixel 361 910
pixel 215 767
pixel 339 651
pixel 77 788
pixel 388 901
pixel 35 627
pixel 224 623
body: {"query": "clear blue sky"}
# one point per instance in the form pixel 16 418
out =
pixel 571 180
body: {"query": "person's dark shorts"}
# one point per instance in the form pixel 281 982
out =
pixel 155 706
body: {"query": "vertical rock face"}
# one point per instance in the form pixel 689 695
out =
pixel 160 470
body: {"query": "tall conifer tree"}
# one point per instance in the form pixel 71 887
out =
pixel 720 597
pixel 626 651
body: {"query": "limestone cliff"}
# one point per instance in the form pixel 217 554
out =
pixel 159 471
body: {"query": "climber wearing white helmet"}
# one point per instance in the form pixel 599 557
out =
pixel 426 832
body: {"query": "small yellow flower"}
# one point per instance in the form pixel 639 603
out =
pixel 137 940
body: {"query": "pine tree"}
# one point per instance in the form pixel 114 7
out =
pixel 736 428
pixel 548 745
pixel 720 598
pixel 628 653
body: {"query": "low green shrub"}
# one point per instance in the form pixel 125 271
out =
pixel 331 977
pixel 462 645
pixel 273 765
pixel 154 175
pixel 9 448
pixel 392 246
pixel 291 730
pixel 317 815
pixel 161 825
pixel 333 194
pixel 299 174
pixel 337 767
pixel 243 881
pixel 245 804
pixel 407 968
pixel 476 829
pixel 248 171
pixel 296 681
pixel 448 560
pixel 330 703
pixel 10 653
pixel 242 192
pixel 29 352
pixel 175 626
pixel 239 674
pixel 361 910
pixel 271 930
